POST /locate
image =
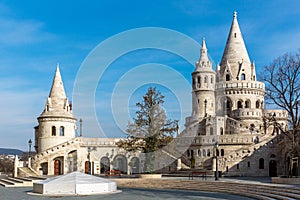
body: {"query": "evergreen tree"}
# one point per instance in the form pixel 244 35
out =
pixel 150 129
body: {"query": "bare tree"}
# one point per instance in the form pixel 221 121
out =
pixel 282 79
pixel 150 130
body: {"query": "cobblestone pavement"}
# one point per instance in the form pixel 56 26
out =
pixel 131 194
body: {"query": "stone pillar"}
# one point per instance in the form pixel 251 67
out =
pixel 178 164
pixel 16 164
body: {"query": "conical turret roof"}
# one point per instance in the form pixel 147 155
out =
pixel 57 89
pixel 235 53
pixel 57 103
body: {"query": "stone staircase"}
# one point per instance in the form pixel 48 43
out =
pixel 261 191
pixel 26 172
pixel 20 182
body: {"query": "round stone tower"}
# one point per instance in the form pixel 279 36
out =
pixel 56 123
pixel 238 93
pixel 204 78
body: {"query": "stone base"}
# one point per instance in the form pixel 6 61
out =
pixel 285 180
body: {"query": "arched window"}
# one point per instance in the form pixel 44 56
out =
pixel 208 152
pixel 247 104
pixel 205 79
pixel 204 153
pixel 227 77
pixel 199 80
pixel 222 152
pixel 199 153
pixel 240 104
pixel 221 131
pixel 257 104
pixel 261 163
pixel 217 152
pixel 243 77
pixel 53 131
pixel 62 131
pixel 211 131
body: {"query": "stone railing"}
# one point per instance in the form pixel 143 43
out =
pixel 247 113
pixel 241 84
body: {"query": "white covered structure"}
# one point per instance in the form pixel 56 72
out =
pixel 75 183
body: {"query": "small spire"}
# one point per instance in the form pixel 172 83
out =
pixel 234 15
pixel 203 44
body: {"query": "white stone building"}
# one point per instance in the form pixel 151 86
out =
pixel 227 108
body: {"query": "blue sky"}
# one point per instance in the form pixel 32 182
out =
pixel 35 35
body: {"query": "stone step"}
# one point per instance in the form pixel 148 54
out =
pixel 257 191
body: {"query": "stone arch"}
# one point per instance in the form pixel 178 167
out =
pixel 257 104
pixel 120 163
pixel 135 165
pixel 53 130
pixel 58 165
pixel 72 161
pixel 221 131
pixel 248 103
pixel 239 104
pixel 104 164
pixel 227 77
pixel 61 131
pixel 243 76
pixel 272 168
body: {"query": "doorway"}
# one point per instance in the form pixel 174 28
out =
pixel 57 167
pixel 272 168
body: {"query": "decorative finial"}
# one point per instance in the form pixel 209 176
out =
pixel 234 14
pixel 57 65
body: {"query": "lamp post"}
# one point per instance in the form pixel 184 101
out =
pixel 29 144
pixel 80 122
pixel 217 171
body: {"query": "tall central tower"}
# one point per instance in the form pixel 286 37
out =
pixel 238 93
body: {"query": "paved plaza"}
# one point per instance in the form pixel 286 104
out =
pixel 132 194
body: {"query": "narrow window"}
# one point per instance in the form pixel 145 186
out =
pixel 248 163
pixel 199 153
pixel 243 77
pixel 222 152
pixel 234 35
pixel 240 104
pixel 62 131
pixel 237 166
pixel 208 152
pixel 257 104
pixel 212 79
pixel 53 131
pixel 211 131
pixel 204 152
pixel 205 79
pixel 261 163
pixel 217 152
pixel 221 131
pixel 227 77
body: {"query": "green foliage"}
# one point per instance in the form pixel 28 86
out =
pixel 150 129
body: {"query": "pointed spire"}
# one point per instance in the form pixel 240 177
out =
pixel 235 51
pixel 203 62
pixel 57 89
pixel 203 54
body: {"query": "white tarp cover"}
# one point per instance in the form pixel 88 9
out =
pixel 75 183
